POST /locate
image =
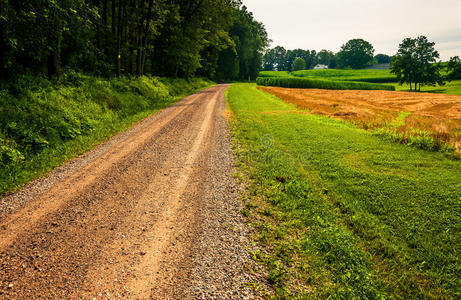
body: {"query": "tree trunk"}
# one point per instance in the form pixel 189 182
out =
pixel 144 38
pixel 113 17
pixel 53 65
pixel 104 13
pixel 119 37
pixel 53 61
pixel 410 87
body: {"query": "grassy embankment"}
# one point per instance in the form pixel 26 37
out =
pixel 341 213
pixel 372 76
pixel 43 123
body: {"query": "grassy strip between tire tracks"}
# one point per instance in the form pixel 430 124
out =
pixel 43 123
pixel 342 213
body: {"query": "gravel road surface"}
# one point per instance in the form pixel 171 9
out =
pixel 151 214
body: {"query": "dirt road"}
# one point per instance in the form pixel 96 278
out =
pixel 152 213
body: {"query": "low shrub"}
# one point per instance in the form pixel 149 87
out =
pixel 306 83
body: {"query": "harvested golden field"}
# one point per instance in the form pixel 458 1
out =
pixel 433 118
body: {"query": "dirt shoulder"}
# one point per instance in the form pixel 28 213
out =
pixel 153 213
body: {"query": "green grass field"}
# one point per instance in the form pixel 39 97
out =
pixel 451 88
pixel 372 76
pixel 340 213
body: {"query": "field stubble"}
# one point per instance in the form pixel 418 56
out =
pixel 431 121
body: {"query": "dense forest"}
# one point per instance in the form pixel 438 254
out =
pixel 218 39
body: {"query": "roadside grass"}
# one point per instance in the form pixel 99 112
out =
pixel 340 213
pixel 43 123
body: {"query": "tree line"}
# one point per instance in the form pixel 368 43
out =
pixel 218 39
pixel 355 54
pixel 416 62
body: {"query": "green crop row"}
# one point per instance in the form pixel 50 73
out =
pixel 275 74
pixel 292 82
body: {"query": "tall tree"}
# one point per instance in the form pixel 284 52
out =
pixel 382 59
pixel 415 63
pixel 454 68
pixel 355 54
pixel 107 37
pixel 298 64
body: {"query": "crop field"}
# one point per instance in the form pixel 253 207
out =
pixel 430 121
pixel 341 213
pixel 275 74
pixel 298 82
pixel 368 75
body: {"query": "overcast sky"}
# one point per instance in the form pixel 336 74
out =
pixel 328 24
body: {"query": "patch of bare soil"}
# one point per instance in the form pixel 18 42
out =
pixel 140 217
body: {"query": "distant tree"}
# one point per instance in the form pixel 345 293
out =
pixel 280 58
pixel 416 63
pixel 382 59
pixel 313 60
pixel 454 68
pixel 269 60
pixel 324 57
pixel 298 64
pixel 355 54
pixel 333 62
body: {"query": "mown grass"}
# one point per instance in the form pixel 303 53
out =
pixel 340 213
pixel 43 123
pixel 307 83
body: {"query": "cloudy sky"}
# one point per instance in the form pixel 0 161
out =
pixel 327 24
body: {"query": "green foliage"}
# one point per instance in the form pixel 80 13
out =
pixel 250 37
pixel 341 213
pixel 383 59
pixel 293 82
pixel 326 57
pixel 415 62
pixel 281 59
pixel 355 54
pixel 44 123
pixel 179 38
pixel 454 68
pixel 298 64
